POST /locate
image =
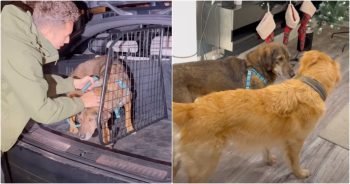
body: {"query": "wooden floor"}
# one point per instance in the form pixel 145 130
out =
pixel 326 161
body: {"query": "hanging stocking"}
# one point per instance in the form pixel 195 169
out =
pixel 270 38
pixel 292 20
pixel 266 27
pixel 308 9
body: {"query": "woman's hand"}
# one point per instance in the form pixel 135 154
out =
pixel 80 83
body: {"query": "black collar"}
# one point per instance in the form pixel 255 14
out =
pixel 314 84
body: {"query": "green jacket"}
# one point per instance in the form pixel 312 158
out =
pixel 24 89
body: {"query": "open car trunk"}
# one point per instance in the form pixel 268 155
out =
pixel 50 153
pixel 46 155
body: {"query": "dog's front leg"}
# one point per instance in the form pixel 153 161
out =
pixel 269 157
pixel 128 123
pixel 292 151
pixel 106 132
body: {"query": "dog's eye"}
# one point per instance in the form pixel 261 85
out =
pixel 280 58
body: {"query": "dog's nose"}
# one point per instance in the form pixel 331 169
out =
pixel 82 136
pixel 291 73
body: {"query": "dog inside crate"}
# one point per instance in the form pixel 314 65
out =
pixel 114 85
pixel 139 56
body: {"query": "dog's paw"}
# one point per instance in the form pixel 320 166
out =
pixel 302 173
pixel 129 129
pixel 110 146
pixel 271 160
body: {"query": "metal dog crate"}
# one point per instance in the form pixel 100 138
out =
pixel 141 52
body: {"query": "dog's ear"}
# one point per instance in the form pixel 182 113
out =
pixel 279 53
pixel 307 61
pixel 251 57
pixel 102 62
pixel 267 58
pixel 98 65
pixel 262 57
pixel 79 117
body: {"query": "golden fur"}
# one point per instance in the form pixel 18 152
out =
pixel 279 115
pixel 115 96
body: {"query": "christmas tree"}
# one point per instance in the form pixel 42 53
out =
pixel 332 14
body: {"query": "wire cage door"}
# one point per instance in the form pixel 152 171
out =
pixel 133 94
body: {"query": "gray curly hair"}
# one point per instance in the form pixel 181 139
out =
pixel 46 12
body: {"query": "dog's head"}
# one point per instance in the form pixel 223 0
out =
pixel 321 67
pixel 90 67
pixel 272 59
pixel 87 119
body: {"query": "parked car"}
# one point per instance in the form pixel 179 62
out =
pixel 142 35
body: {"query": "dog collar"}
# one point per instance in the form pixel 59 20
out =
pixel 122 85
pixel 314 84
pixel 249 77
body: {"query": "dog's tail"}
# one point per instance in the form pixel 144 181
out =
pixel 182 113
pixel 176 149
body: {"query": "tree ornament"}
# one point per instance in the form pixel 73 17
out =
pixel 332 13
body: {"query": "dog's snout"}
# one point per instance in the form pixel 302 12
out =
pixel 82 136
pixel 291 73
pixel 85 136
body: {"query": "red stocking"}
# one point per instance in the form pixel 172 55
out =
pixel 309 9
pixel 302 31
pixel 266 27
pixel 270 38
pixel 292 20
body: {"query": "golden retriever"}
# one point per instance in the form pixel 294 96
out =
pixel 280 115
pixel 116 96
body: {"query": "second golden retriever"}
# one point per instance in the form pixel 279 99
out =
pixel 280 115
